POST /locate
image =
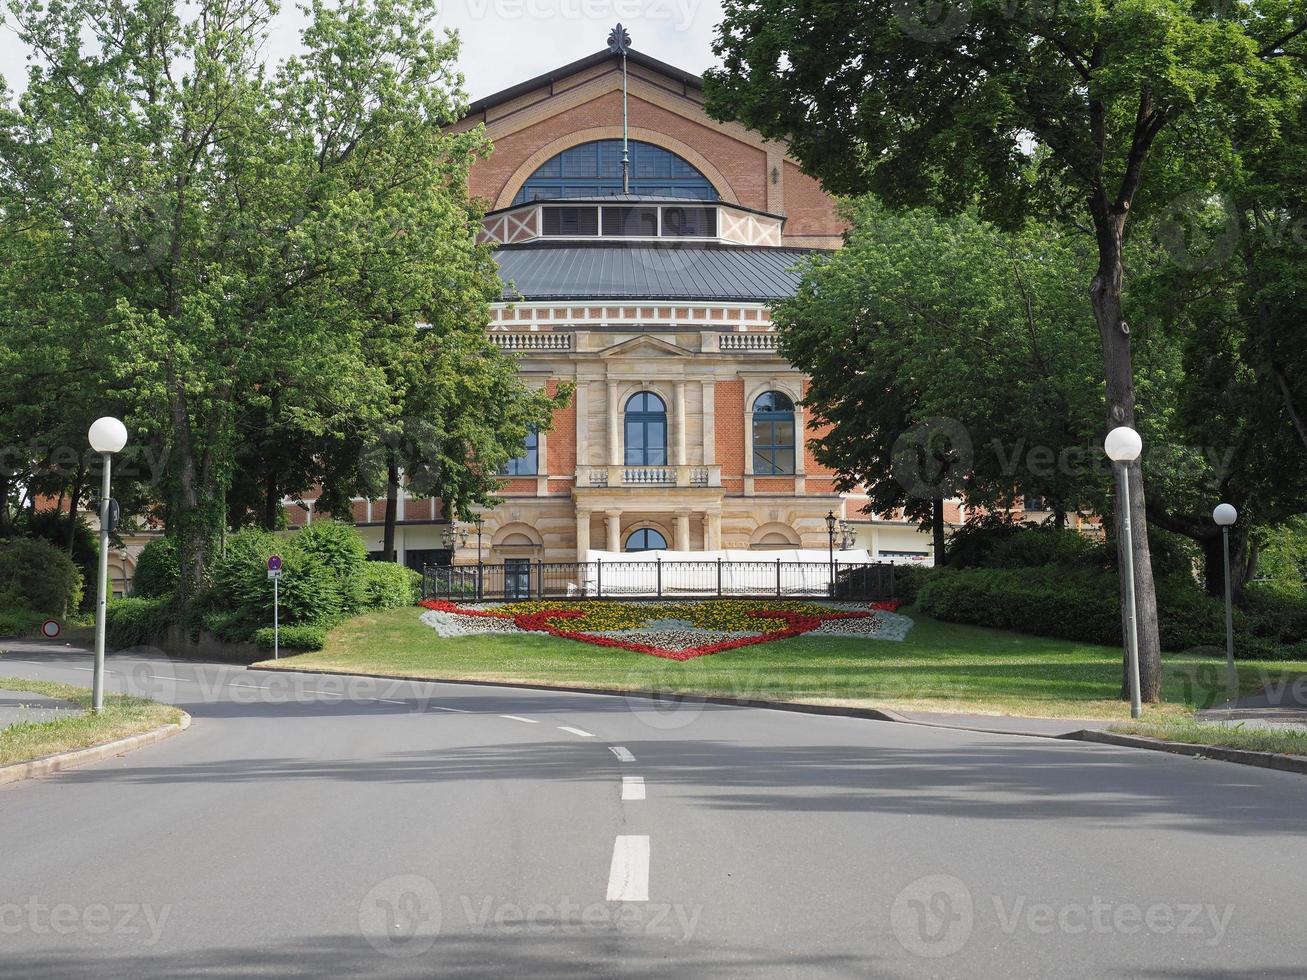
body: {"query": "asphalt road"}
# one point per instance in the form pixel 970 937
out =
pixel 311 826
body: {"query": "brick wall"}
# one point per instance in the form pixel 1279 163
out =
pixel 729 402
pixel 810 464
pixel 562 438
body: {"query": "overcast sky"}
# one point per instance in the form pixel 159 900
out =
pixel 509 41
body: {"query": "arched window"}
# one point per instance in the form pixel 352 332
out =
pixel 595 170
pixel 646 430
pixel 646 539
pixel 773 434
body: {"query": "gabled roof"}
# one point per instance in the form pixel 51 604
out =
pixel 652 271
pixel 679 75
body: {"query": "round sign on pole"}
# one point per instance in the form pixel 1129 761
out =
pixel 50 629
pixel 274 563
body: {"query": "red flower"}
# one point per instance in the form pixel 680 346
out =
pixel 539 622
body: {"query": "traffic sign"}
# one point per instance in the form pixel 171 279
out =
pixel 50 629
pixel 274 563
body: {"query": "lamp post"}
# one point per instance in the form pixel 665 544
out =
pixel 478 521
pixel 107 436
pixel 831 521
pixel 1123 446
pixel 1225 515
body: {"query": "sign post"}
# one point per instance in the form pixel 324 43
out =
pixel 274 573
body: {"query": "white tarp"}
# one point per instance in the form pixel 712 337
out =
pixel 788 571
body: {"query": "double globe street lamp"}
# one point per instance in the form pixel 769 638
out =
pixel 107 436
pixel 1123 446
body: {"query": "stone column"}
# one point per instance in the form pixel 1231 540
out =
pixel 678 403
pixel 712 531
pixel 614 427
pixel 709 423
pixel 682 530
pixel 582 534
pixel 614 530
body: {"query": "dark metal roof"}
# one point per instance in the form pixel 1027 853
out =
pixel 648 272
pixel 688 80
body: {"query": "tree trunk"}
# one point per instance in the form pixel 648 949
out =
pixel 1213 565
pixel 4 505
pixel 937 530
pixel 271 502
pixel 392 509
pixel 1105 294
pixel 70 534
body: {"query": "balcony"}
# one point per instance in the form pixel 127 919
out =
pixel 765 342
pixel 648 476
pixel 532 341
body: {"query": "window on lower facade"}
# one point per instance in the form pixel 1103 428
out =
pixel 528 464
pixel 645 430
pixel 646 539
pixel 773 435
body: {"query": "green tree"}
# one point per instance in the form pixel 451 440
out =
pixel 949 358
pixel 1085 111
pixel 227 232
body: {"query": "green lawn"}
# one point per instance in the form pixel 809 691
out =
pixel 1234 736
pixel 122 716
pixel 939 667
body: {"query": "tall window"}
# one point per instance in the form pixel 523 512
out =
pixel 528 464
pixel 773 434
pixel 646 430
pixel 595 170
pixel 646 539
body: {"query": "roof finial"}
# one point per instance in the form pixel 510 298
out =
pixel 619 42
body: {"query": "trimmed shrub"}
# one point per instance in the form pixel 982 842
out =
pixel 1084 605
pixel 40 576
pixel 135 621
pixel 308 589
pixel 337 547
pixel 19 622
pixel 908 580
pixel 158 571
pixel 386 585
pixel 52 526
pixel 292 637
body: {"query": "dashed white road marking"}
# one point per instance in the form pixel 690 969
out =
pixel 326 694
pixel 628 876
pixel 529 721
pixel 441 707
pixel 633 787
pixel 388 701
pixel 576 731
pixel 622 752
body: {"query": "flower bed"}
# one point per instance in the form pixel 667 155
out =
pixel 675 631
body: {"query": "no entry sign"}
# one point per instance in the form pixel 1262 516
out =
pixel 50 629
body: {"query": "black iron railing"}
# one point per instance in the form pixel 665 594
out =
pixel 659 580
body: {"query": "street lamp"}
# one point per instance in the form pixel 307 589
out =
pixel 831 521
pixel 1225 515
pixel 1123 446
pixel 107 436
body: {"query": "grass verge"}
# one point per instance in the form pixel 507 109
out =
pixel 1231 736
pixel 939 667
pixel 122 716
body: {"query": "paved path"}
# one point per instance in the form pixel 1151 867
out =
pixel 17 707
pixel 310 826
pixel 1279 705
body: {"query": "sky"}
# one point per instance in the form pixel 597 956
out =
pixel 509 41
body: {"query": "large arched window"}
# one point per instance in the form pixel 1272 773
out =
pixel 646 430
pixel 646 539
pixel 526 464
pixel 773 434
pixel 595 170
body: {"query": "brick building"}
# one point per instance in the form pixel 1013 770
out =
pixel 685 431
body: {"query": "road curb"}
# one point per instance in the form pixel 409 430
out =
pixel 92 753
pixel 1246 757
pixel 843 711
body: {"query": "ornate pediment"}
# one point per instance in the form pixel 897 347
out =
pixel 645 345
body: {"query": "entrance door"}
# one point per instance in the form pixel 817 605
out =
pixel 517 578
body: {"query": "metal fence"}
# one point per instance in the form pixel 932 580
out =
pixel 659 579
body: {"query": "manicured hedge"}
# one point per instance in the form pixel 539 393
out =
pixel 19 622
pixel 158 572
pixel 1084 604
pixel 390 586
pixel 293 637
pixel 36 575
pixel 338 548
pixel 134 621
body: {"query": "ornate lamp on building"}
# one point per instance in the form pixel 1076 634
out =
pixel 831 522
